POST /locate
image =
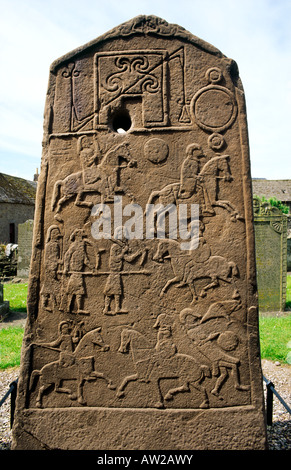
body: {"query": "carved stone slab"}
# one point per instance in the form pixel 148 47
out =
pixel 271 255
pixel 139 337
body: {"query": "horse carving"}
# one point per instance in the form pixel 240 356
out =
pixel 155 363
pixel 77 366
pixel 188 268
pixel 205 182
pixel 102 178
pixel 219 346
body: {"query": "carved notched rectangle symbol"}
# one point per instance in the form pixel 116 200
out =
pixel 138 76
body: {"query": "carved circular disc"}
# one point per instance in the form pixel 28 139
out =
pixel 214 75
pixel 214 108
pixel 216 141
pixel 156 150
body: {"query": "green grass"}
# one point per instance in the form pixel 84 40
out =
pixel 275 338
pixel 16 294
pixel 10 346
pixel 11 338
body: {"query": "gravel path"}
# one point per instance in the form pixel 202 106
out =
pixel 279 434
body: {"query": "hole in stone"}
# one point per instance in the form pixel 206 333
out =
pixel 121 123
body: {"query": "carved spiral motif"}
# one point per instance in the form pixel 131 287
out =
pixel 70 71
pixel 131 70
pixel 216 141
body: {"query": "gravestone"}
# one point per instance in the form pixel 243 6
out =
pixel 271 255
pixel 25 233
pixel 289 243
pixel 142 328
pixel 4 304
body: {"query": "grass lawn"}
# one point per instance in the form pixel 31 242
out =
pixel 16 294
pixel 275 338
pixel 11 338
pixel 10 346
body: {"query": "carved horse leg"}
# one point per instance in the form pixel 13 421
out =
pixel 81 398
pixel 185 387
pixel 193 292
pixel 42 389
pixel 182 388
pixel 120 390
pixel 205 403
pixel 79 200
pixel 160 403
pixel 62 201
pixel 214 283
pixel 65 390
pixel 99 375
pixel 169 283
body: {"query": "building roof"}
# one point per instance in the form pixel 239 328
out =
pixel 280 189
pixel 17 190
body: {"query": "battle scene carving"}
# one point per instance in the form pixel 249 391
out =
pixel 142 299
pixel 116 271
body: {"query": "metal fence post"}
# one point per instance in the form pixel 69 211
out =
pixel 13 385
pixel 269 400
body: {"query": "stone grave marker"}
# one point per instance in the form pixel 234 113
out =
pixel 25 233
pixel 142 328
pixel 271 255
pixel 4 304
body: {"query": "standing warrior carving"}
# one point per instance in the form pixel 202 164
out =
pixel 75 260
pixel 53 259
pixel 118 254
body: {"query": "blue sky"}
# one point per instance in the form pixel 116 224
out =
pixel 255 33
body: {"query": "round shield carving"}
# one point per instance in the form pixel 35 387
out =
pixel 214 108
pixel 156 150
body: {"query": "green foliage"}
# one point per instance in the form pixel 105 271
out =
pixel 16 294
pixel 10 346
pixel 275 338
pixel 273 201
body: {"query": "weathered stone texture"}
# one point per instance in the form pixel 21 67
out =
pixel 17 200
pixel 4 304
pixel 271 256
pixel 25 233
pixel 135 342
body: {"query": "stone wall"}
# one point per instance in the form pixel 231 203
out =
pixel 13 214
pixel 271 256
